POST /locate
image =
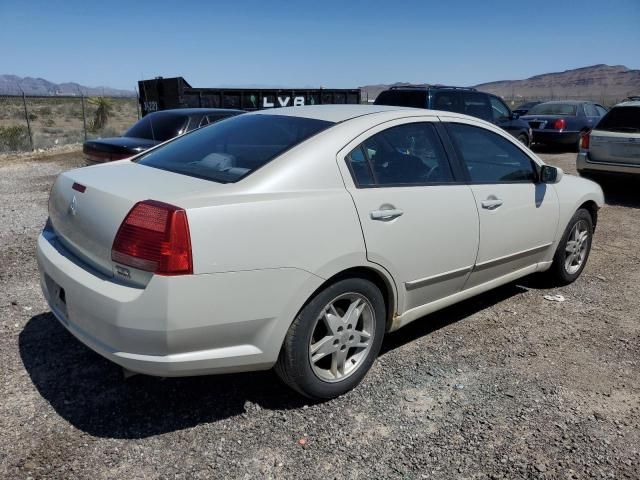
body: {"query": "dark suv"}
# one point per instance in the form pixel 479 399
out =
pixel 458 99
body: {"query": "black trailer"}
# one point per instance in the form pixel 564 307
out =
pixel 167 93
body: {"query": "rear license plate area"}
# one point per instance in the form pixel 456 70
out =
pixel 57 298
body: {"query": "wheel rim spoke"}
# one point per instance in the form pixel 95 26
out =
pixel 322 348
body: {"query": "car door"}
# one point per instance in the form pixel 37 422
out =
pixel 518 215
pixel 418 219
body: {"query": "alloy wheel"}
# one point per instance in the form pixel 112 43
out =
pixel 576 247
pixel 342 337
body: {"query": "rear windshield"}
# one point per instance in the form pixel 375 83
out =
pixel 230 150
pixel 621 119
pixel 158 126
pixel 526 106
pixel 403 98
pixel 553 109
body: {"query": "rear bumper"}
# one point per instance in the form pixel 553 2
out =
pixel 550 137
pixel 175 326
pixel 586 164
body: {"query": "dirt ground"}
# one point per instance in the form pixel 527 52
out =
pixel 505 385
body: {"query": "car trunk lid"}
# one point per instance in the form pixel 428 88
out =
pixel 88 205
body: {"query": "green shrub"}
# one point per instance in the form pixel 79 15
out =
pixel 14 138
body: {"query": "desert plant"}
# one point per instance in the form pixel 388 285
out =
pixel 104 108
pixel 14 138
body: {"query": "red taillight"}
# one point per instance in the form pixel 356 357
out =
pixel 559 124
pixel 584 141
pixel 154 237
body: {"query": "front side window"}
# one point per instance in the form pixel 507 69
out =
pixel 408 154
pixel 500 111
pixel 230 150
pixel 477 105
pixel 489 157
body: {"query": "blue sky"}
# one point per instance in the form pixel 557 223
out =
pixel 327 43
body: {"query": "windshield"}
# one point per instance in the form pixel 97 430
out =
pixel 621 119
pixel 553 109
pixel 159 126
pixel 230 150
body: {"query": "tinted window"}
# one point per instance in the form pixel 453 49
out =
pixel 621 119
pixel 158 126
pixel 477 104
pixel 403 98
pixel 449 101
pixel 553 109
pixel 527 106
pixel 590 110
pixel 489 157
pixel 227 151
pixel 408 154
pixel 499 109
pixel 360 168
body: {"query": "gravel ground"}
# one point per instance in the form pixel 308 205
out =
pixel 506 385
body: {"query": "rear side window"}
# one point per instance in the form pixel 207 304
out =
pixel 158 126
pixel 405 155
pixel 477 104
pixel 601 110
pixel 403 98
pixel 489 157
pixel 230 150
pixel 621 119
pixel 590 110
pixel 449 101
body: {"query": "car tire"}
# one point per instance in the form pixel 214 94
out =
pixel 573 250
pixel 326 351
pixel 523 139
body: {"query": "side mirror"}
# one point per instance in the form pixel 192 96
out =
pixel 549 174
pixel 514 116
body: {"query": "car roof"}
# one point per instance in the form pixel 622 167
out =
pixel 569 102
pixel 195 111
pixel 628 103
pixel 333 113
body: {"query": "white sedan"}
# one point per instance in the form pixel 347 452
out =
pixel 297 237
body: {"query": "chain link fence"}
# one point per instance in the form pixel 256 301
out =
pixel 32 123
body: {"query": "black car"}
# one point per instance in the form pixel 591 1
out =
pixel 524 108
pixel 151 130
pixel 563 123
pixel 458 99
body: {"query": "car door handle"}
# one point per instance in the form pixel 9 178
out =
pixel 491 203
pixel 387 214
